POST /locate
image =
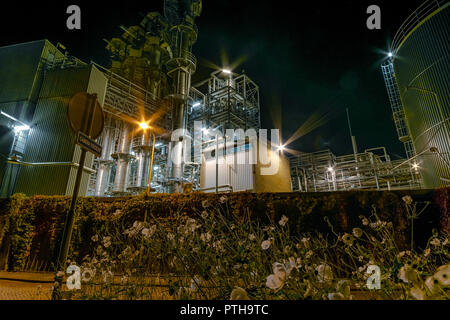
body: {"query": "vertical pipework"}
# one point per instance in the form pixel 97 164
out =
pixel 123 157
pixel 104 169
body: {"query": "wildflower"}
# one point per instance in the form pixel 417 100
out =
pixel 265 244
pixel 251 237
pixel 205 237
pixel 305 242
pixel 95 238
pixel 407 199
pixel 435 242
pixel 148 232
pixel 426 252
pixel 357 232
pixel 60 274
pixel 309 254
pixel 283 221
pixel 443 276
pixel 117 212
pixel 205 204
pixel 407 274
pixel 106 242
pixel 222 199
pixel 324 273
pixel 88 274
pixel 348 239
pixel 274 283
pixel 365 221
pixel 204 214
pixel 239 294
pixel 170 236
pixel 445 242
pixel 417 293
pixel 432 285
pixel 360 258
pixel 336 296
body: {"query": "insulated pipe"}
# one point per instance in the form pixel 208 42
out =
pixel 123 156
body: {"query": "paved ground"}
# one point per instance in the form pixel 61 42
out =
pixel 25 286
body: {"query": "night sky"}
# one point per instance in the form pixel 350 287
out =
pixel 308 57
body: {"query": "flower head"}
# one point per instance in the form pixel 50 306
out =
pixel 357 232
pixel 407 199
pixel 283 221
pixel 265 244
pixel 324 273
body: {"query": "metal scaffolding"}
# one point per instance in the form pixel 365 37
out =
pixel 372 169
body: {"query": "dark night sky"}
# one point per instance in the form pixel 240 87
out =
pixel 308 58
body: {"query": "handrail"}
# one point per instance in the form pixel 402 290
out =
pixel 419 15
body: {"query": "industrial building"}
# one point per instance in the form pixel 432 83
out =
pixel 146 95
pixel 417 78
pixel 421 68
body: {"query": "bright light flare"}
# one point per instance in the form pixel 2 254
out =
pixel 144 125
pixel 281 148
pixel 226 71
pixel 330 169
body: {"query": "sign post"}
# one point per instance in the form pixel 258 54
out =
pixel 87 120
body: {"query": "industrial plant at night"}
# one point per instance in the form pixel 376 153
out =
pixel 155 148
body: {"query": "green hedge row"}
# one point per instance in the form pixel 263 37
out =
pixel 31 227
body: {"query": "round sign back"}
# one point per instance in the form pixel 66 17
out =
pixel 78 113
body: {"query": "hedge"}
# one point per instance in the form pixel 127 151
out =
pixel 31 227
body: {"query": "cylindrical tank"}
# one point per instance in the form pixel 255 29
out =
pixel 422 71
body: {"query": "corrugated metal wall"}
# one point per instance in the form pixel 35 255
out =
pixel 51 139
pixel 239 176
pixel 422 68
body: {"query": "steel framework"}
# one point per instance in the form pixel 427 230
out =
pixel 372 169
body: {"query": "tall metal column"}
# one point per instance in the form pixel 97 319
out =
pixel 123 157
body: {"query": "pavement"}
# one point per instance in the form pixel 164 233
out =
pixel 26 285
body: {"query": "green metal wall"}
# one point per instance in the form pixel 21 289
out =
pixel 422 68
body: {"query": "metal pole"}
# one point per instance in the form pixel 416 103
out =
pixel 151 166
pixel 68 227
pixel 217 163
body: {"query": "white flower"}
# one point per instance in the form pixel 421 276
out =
pixel 251 237
pixel 283 221
pixel 106 242
pixel 239 294
pixel 407 199
pixel 417 293
pixel 435 242
pixel 336 296
pixel 273 282
pixel 205 237
pixel 426 252
pixel 305 242
pixel 117 212
pixel 443 276
pixel 95 238
pixel 265 244
pixel 357 232
pixel 324 273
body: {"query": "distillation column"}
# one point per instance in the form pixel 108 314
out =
pixel 183 35
pixel 143 151
pixel 123 158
